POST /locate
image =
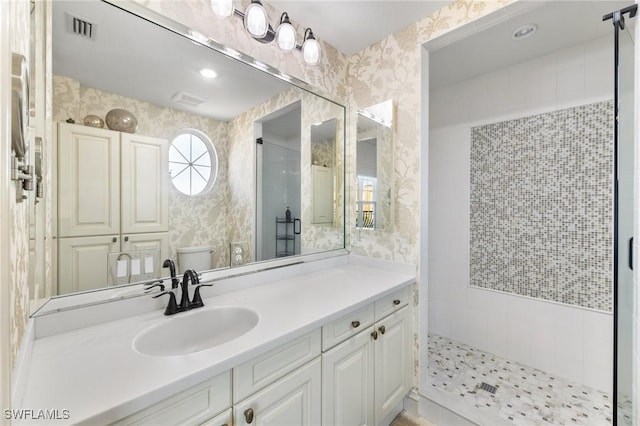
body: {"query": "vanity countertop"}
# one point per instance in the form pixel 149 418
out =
pixel 96 374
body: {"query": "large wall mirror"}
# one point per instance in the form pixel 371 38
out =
pixel 203 157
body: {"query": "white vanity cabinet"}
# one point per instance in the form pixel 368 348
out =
pixel 368 375
pixel 112 197
pixel 354 370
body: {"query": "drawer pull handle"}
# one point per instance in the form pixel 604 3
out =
pixel 355 324
pixel 396 302
pixel 374 334
pixel 248 415
pixel 114 240
pixel 382 329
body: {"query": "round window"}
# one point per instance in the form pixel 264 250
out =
pixel 193 162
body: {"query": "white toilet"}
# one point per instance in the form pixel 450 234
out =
pixel 196 258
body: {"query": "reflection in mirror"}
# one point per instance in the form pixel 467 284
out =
pixel 374 166
pixel 323 149
pixel 278 189
pixel 123 202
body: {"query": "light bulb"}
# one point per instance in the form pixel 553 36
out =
pixel 256 21
pixel 286 33
pixel 222 8
pixel 286 36
pixel 311 51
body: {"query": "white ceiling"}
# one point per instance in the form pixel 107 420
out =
pixel 561 24
pixel 350 25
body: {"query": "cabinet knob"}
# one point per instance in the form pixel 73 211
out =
pixel 374 334
pixel 382 329
pixel 114 240
pixel 396 302
pixel 126 238
pixel 355 324
pixel 248 415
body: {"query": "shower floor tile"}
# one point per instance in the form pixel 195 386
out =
pixel 521 395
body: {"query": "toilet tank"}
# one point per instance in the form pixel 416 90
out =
pixel 196 258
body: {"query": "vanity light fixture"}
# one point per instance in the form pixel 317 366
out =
pixel 256 23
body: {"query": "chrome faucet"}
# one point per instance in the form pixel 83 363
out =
pixel 169 263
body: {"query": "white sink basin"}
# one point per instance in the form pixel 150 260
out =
pixel 195 331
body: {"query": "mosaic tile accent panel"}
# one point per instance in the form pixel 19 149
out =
pixel 541 206
pixel 524 395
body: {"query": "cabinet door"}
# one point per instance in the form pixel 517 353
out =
pixel 145 180
pixel 347 382
pixel 393 361
pixel 83 262
pixel 294 400
pixel 322 181
pixel 88 181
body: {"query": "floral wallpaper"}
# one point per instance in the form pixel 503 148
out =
pixel 19 212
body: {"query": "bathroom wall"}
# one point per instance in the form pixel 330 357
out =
pixel 389 69
pixel 193 221
pixel 567 340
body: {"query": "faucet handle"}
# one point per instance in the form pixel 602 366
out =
pixel 149 286
pixel 197 299
pixel 172 306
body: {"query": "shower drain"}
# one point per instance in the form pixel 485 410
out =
pixel 489 388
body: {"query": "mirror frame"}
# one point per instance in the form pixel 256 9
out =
pixel 66 302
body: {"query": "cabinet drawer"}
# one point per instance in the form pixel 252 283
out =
pixel 346 326
pixel 224 419
pixel 265 369
pixel 191 407
pixel 391 303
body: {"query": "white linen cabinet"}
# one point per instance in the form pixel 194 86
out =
pixel 112 197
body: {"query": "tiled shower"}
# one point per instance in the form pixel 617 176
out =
pixel 520 237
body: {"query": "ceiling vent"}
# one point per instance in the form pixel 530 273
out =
pixel 187 99
pixel 81 27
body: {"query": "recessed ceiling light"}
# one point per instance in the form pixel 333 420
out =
pixel 524 31
pixel 208 73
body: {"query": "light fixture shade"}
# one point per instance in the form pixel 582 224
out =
pixel 256 21
pixel 222 8
pixel 310 48
pixel 286 36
